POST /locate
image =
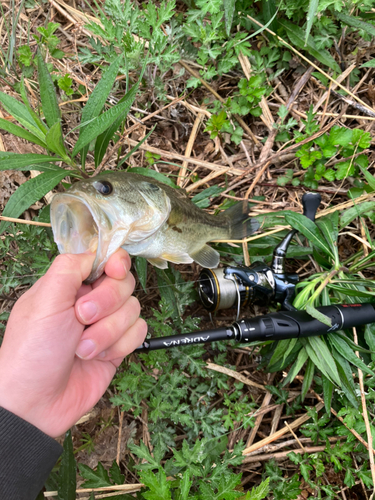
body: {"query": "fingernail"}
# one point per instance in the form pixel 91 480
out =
pixel 87 311
pixel 125 264
pixel 85 348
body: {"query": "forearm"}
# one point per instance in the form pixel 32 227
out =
pixel 27 456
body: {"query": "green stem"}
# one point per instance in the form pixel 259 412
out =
pixel 324 283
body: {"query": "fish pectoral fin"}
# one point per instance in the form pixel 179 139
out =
pixel 160 263
pixel 206 257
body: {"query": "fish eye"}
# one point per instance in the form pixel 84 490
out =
pixel 103 187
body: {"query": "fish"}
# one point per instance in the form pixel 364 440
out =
pixel 145 217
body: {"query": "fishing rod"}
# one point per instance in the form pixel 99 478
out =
pixel 275 326
pixel 227 287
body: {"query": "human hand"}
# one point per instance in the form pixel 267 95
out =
pixel 48 376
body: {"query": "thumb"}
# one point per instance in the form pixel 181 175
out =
pixel 66 274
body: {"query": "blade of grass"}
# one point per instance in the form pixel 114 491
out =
pixel 313 7
pixel 16 161
pixel 20 132
pixel 104 121
pixel 98 98
pixel 29 193
pixel 20 112
pixel 48 96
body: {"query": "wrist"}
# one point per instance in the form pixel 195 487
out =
pixel 15 399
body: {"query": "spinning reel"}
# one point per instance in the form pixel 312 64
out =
pixel 227 287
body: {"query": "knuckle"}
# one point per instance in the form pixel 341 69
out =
pixel 135 306
pixel 65 261
pixel 109 328
pixel 131 280
pixel 142 327
pixel 113 295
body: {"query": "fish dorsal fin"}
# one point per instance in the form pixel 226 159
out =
pixel 160 263
pixel 206 257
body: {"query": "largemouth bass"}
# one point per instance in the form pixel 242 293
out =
pixel 143 216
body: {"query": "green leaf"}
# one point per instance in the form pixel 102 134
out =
pixel 370 338
pixel 55 141
pixel 269 11
pixel 141 268
pixel 330 232
pixel 226 489
pixel 148 172
pixel 369 64
pixel 309 229
pixel 158 485
pixel 346 352
pixel 346 377
pixel 339 136
pixel 349 291
pixel 184 487
pixel 19 161
pixel 30 192
pixel 142 452
pixel 369 178
pixel 313 7
pixel 296 36
pixel 347 216
pixel 229 9
pixel 67 472
pixel 259 492
pixel 104 121
pixel 282 350
pixel 94 478
pixel 202 199
pixel 318 351
pixel 48 96
pixel 308 378
pixel 115 473
pixel 354 22
pixel 98 98
pixel 65 84
pixel 327 393
pixel 351 344
pixel 25 55
pixel 20 132
pixel 34 116
pixel 20 112
pixel 318 315
pixel 344 169
pixel 296 368
pixel 211 6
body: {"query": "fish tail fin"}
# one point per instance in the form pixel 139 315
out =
pixel 240 224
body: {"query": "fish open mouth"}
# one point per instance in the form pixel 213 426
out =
pixel 79 225
pixel 74 225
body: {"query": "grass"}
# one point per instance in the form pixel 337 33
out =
pixel 234 110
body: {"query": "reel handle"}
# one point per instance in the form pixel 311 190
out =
pixel 310 203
